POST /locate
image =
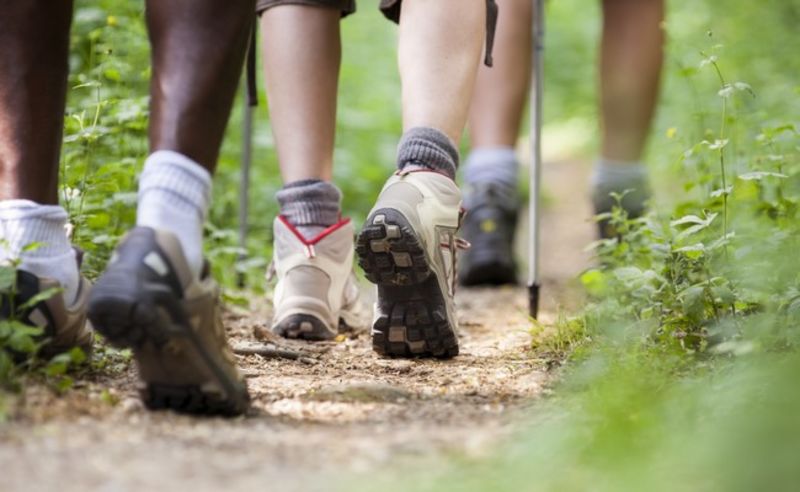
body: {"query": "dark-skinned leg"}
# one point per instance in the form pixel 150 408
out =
pixel 154 298
pixel 198 49
pixel 34 40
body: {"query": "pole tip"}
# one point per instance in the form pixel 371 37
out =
pixel 533 300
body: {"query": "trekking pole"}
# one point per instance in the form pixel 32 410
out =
pixel 534 210
pixel 250 100
pixel 244 183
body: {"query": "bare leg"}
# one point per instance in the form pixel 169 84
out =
pixel 198 50
pixel 302 52
pixel 491 171
pixel 34 39
pixel 630 70
pixel 440 44
pixel 501 91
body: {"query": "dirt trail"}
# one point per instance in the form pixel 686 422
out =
pixel 348 411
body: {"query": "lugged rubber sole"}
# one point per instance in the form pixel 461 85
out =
pixel 304 327
pixel 152 322
pixel 411 319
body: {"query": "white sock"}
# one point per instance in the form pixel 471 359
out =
pixel 174 195
pixel 23 223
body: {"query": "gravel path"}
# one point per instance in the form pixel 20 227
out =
pixel 340 410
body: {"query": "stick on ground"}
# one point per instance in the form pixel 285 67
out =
pixel 272 352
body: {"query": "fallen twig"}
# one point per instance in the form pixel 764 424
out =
pixel 271 352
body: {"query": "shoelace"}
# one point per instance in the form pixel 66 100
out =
pixel 458 243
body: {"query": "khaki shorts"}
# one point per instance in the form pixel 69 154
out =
pixel 390 8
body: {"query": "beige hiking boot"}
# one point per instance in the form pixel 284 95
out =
pixel 408 248
pixel 64 327
pixel 149 300
pixel 316 291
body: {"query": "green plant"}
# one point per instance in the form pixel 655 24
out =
pixel 20 343
pixel 688 279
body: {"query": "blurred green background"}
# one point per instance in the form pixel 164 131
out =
pixel 107 110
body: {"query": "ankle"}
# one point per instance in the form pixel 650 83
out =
pixel 496 166
pixel 35 238
pixel 630 178
pixel 427 148
pixel 174 195
pixel 310 205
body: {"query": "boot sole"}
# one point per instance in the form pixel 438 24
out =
pixel 303 327
pixel 153 323
pixel 412 319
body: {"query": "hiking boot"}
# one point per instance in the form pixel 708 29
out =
pixel 64 327
pixel 489 227
pixel 408 248
pixel 316 292
pixel 149 300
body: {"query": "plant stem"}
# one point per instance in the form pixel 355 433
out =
pixel 721 150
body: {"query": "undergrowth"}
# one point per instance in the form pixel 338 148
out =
pixel 682 366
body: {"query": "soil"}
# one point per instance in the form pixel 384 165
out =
pixel 339 410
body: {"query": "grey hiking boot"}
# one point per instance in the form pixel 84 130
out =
pixel 149 301
pixel 63 325
pixel 408 248
pixel 316 292
pixel 489 227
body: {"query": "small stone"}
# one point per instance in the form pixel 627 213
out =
pixel 131 405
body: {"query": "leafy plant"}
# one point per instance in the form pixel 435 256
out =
pixel 20 342
pixel 687 280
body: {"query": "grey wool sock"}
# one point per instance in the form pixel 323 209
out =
pixel 311 205
pixel 427 148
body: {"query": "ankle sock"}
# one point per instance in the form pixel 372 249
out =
pixel 23 223
pixel 427 148
pixel 311 205
pixel 174 195
pixel 493 165
pixel 617 176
